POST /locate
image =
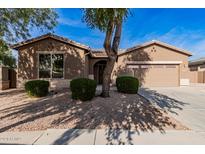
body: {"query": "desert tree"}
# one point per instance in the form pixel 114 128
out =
pixel 17 24
pixel 109 21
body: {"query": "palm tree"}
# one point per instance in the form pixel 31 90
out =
pixel 110 21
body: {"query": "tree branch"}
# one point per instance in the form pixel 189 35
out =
pixel 108 38
pixel 117 36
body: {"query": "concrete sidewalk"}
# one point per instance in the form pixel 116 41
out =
pixel 100 136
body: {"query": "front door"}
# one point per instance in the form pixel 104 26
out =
pixel 98 72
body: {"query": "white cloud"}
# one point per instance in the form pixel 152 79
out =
pixel 72 22
pixel 198 49
pixel 191 40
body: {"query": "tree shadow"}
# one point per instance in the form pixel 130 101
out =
pixel 162 101
pixel 11 92
pixel 126 67
pixel 69 135
pixel 114 136
pixel 29 110
pixel 120 111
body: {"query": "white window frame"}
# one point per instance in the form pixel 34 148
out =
pixel 51 53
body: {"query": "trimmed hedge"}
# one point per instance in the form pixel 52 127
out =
pixel 37 88
pixel 83 88
pixel 127 84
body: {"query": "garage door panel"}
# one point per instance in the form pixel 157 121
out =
pixel 160 76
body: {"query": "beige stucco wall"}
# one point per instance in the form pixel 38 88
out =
pixel 201 76
pixel 198 73
pixel 191 75
pixel 77 63
pixel 152 53
pixel 74 59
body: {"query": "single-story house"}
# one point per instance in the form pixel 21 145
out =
pixel 59 60
pixel 198 67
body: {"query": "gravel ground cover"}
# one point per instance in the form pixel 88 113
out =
pixel 18 112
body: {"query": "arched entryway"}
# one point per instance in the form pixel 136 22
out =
pixel 98 71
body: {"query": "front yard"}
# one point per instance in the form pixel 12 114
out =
pixel 18 112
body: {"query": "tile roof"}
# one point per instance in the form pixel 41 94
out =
pixel 159 43
pixel 97 52
pixel 197 61
pixel 101 52
pixel 50 35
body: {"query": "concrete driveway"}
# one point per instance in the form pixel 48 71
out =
pixel 186 104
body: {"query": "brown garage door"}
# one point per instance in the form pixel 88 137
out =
pixel 158 75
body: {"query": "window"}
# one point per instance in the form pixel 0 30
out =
pixel 44 65
pixel 50 65
pixel 57 69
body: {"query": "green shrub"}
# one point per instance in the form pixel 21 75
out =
pixel 37 88
pixel 83 88
pixel 127 84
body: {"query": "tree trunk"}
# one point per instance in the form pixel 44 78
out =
pixel 111 53
pixel 107 76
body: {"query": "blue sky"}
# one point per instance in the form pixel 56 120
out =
pixel 184 28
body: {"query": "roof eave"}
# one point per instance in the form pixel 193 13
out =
pixel 19 45
pixel 159 43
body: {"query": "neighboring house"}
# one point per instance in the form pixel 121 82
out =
pixel 198 67
pixel 59 60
